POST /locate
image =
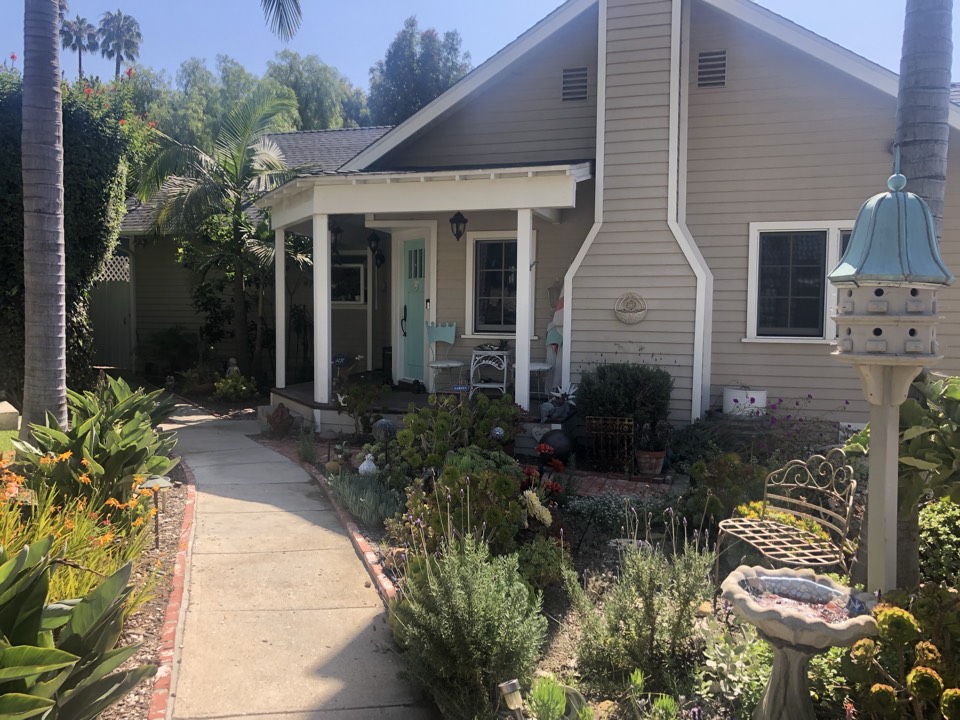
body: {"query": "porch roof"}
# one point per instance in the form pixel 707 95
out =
pixel 490 188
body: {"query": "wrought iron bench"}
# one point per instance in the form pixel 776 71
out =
pixel 819 490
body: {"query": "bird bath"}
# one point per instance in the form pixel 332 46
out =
pixel 800 614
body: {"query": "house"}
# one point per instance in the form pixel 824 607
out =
pixel 702 160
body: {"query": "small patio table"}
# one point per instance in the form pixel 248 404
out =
pixel 499 360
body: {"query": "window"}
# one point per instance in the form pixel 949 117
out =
pixel 348 283
pixel 492 283
pixel 789 297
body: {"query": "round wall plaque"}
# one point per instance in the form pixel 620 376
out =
pixel 630 308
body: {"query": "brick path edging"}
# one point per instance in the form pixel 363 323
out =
pixel 171 621
pixel 385 587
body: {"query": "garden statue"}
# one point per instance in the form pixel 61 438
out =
pixel 232 369
pixel 280 421
pixel 367 467
pixel 169 383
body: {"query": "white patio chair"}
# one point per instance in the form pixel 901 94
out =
pixel 445 333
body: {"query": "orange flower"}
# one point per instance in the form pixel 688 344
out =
pixel 113 502
pixel 138 522
pixel 85 462
pixel 153 511
pixel 65 455
pixel 122 121
pixel 46 460
pixel 84 478
pixel 68 524
pixel 106 538
pixel 152 124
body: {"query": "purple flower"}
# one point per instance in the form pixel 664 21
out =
pixel 736 401
pixel 809 396
pixel 752 400
pixel 797 403
pixel 773 406
pixel 846 402
pixel 788 417
pixel 773 420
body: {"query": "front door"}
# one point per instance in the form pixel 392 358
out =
pixel 411 311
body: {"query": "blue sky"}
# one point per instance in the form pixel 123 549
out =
pixel 353 35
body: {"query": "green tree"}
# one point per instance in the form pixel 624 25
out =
pixel 325 98
pixel 923 131
pixel 197 187
pixel 120 38
pixel 80 36
pixel 42 153
pixel 417 68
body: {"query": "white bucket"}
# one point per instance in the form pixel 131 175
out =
pixel 744 401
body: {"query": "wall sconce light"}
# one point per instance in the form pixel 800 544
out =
pixel 336 233
pixel 511 693
pixel 379 258
pixel 458 225
pixel 373 242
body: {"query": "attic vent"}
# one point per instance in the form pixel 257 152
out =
pixel 712 69
pixel 574 84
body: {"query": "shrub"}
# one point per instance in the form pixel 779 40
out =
pixel 641 392
pixel 62 661
pixel 717 487
pixel 600 517
pixel 735 669
pixel 358 401
pixel 365 497
pixel 543 562
pixel 234 388
pixel 914 649
pixel 548 701
pixel 108 448
pixel 94 172
pixel 307 444
pixel 646 619
pixel 466 623
pixel 940 541
pixel 451 422
pixel 478 491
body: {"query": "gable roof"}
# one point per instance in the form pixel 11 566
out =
pixel 467 85
pixel 745 10
pixel 319 152
pixel 818 47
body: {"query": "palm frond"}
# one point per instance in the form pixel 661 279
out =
pixel 245 125
pixel 283 17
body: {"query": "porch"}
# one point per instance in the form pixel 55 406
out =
pixel 385 263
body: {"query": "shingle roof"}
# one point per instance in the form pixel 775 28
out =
pixel 139 217
pixel 320 152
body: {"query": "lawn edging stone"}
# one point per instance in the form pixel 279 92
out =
pixel 176 605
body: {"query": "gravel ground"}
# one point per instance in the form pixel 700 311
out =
pixel 145 626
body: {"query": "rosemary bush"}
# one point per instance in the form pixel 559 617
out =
pixel 467 622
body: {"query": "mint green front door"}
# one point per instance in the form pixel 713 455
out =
pixel 411 311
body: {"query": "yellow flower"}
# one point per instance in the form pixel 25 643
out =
pixel 137 479
pixel 132 503
pixel 146 492
pixel 138 522
pixel 84 478
pixel 65 455
pixel 153 511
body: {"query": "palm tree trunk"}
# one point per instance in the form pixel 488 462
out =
pixel 923 104
pixel 117 75
pixel 80 63
pixel 45 349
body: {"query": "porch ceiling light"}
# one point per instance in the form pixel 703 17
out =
pixel 458 225
pixel 373 242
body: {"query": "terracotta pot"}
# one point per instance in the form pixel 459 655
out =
pixel 650 462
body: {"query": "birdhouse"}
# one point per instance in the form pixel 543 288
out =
pixel 888 279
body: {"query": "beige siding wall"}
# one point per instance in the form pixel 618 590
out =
pixel 788 139
pixel 162 288
pixel 557 245
pixel 519 117
pixel 635 250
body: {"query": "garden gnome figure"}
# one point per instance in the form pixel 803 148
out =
pixel 232 369
pixel 367 467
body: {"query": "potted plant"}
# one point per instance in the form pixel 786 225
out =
pixel 652 442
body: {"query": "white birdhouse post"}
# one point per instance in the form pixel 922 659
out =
pixel 887 323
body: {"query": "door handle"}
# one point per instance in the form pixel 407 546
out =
pixel 403 322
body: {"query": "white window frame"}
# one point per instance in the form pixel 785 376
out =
pixel 833 228
pixel 470 332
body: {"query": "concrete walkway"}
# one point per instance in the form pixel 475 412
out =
pixel 282 621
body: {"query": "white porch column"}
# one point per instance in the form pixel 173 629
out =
pixel 280 306
pixel 322 315
pixel 521 382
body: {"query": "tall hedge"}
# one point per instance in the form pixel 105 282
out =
pixel 94 175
